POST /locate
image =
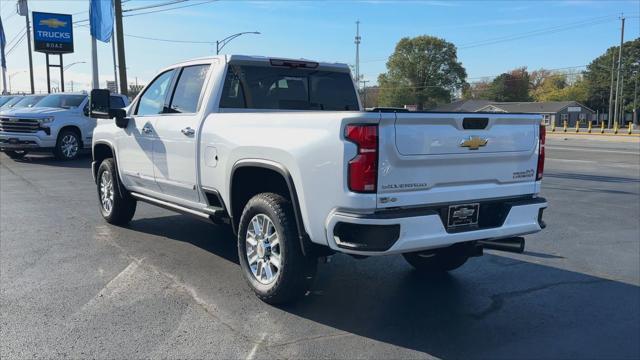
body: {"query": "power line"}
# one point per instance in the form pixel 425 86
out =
pixel 18 35
pixel 155 5
pixel 160 39
pixel 536 33
pixel 171 40
pixel 155 11
pixel 532 33
pixel 173 8
pixel 16 44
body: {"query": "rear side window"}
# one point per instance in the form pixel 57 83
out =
pixel 116 102
pixel 187 94
pixel 262 87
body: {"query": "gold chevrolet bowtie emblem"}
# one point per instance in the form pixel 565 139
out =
pixel 474 142
pixel 53 23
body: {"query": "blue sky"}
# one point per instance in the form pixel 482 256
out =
pixel 325 31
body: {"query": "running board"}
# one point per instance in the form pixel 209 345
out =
pixel 212 214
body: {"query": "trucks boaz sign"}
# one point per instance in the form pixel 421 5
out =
pixel 52 33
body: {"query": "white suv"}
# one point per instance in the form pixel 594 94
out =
pixel 57 123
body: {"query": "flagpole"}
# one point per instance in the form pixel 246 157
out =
pixel 95 82
pixel 4 80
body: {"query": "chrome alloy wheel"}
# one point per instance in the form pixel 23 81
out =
pixel 106 191
pixel 264 254
pixel 69 146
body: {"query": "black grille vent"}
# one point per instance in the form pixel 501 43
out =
pixel 16 125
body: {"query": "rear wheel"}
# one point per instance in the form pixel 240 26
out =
pixel 16 154
pixel 439 260
pixel 269 250
pixel 116 207
pixel 67 146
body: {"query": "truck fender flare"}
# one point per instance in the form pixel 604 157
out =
pixel 305 241
pixel 94 167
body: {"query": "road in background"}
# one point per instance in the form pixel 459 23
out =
pixel 170 286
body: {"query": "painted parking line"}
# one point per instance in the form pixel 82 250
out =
pixel 581 149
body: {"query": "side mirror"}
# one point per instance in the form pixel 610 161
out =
pixel 100 108
pixel 100 104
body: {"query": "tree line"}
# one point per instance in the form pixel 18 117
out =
pixel 425 71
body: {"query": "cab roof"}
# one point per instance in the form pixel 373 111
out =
pixel 261 60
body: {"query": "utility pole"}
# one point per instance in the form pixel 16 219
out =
pixel 635 99
pixel 610 116
pixel 122 65
pixel 357 42
pixel 615 116
pixel 23 10
pixel 621 120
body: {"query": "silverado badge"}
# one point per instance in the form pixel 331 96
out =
pixel 474 142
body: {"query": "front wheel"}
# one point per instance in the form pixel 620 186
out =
pixel 116 207
pixel 269 250
pixel 439 260
pixel 67 146
pixel 16 154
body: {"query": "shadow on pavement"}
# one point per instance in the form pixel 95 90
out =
pixel 588 177
pixel 493 307
pixel 82 162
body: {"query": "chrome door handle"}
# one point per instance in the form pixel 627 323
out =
pixel 188 131
pixel 147 130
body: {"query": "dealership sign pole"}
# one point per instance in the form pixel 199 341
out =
pixel 53 34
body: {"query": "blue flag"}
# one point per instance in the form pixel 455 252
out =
pixel 101 19
pixel 3 42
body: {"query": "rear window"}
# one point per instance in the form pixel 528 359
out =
pixel 261 87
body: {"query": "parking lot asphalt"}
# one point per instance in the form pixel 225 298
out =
pixel 170 286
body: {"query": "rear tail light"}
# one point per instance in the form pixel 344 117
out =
pixel 362 170
pixel 543 135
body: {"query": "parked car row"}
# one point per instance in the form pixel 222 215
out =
pixel 58 123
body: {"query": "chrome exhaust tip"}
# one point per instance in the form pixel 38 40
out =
pixel 514 244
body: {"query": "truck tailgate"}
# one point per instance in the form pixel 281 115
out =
pixel 440 158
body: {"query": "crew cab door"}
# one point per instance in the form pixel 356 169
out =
pixel 175 149
pixel 135 145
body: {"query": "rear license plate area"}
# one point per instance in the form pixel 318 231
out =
pixel 463 215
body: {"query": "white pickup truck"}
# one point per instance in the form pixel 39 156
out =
pixel 281 150
pixel 57 123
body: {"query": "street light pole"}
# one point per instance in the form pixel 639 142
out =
pixel 222 43
pixel 11 75
pixel 70 65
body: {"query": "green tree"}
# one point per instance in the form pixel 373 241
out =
pixel 511 86
pixel 424 71
pixel 598 75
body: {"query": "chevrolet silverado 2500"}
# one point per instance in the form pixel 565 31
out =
pixel 280 150
pixel 57 123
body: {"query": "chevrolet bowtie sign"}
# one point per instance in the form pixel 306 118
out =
pixel 52 33
pixel 474 142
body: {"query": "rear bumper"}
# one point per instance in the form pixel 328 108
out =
pixel 408 230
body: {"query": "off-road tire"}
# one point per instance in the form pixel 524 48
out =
pixel 124 206
pixel 297 271
pixel 16 154
pixel 58 150
pixel 440 260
